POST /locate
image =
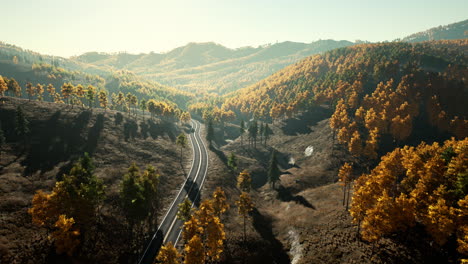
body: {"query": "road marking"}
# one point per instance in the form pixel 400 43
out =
pixel 191 187
pixel 201 185
pixel 175 199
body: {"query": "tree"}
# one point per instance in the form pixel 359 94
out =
pixel 253 132
pixel 3 86
pixel 182 142
pixel 68 90
pixel 232 162
pixel 245 206
pixel 274 172
pixel 14 88
pixel 66 237
pixel 29 90
pixel 344 176
pixel 194 253
pixel 143 107
pixel 90 95
pixel 244 181
pixel 210 131
pixel 242 130
pixel 219 203
pixel 266 133
pixel 131 193
pixel 168 254
pixel 51 90
pixel 21 124
pixel 185 210
pixel 2 139
pixel 80 92
pixel 39 91
pixel 103 99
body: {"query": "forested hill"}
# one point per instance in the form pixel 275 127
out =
pixel 457 30
pixel 210 66
pixel 406 85
pixel 28 66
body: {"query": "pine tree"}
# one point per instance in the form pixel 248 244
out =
pixel 266 133
pixel 232 162
pixel 242 130
pixel 182 142
pixel 210 131
pixel 21 125
pixel 274 172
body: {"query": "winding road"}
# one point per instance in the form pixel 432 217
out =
pixel 170 228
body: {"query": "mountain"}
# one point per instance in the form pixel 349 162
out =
pixel 210 66
pixel 457 30
pixel 28 66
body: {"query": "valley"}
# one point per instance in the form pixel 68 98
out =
pixel 321 152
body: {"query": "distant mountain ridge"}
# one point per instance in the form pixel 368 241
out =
pixel 457 30
pixel 210 66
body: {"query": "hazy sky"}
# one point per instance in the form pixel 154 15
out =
pixel 72 27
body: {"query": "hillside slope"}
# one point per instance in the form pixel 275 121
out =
pixel 210 66
pixel 457 30
pixel 60 135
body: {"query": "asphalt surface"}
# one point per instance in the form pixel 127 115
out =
pixel 170 228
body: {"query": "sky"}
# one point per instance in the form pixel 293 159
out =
pixel 72 27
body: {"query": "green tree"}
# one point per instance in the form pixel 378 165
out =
pixel 210 131
pixel 150 184
pixel 253 132
pixel 266 133
pixel 185 210
pixel 132 195
pixel 2 139
pixel 182 142
pixel 143 107
pixel 21 124
pixel 242 130
pixel 232 162
pixel 273 170
pixel 91 95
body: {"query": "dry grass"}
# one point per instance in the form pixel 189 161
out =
pixel 21 173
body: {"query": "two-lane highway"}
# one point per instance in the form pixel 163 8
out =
pixel 170 227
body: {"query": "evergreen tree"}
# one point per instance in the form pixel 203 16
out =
pixel 182 142
pixel 232 162
pixel 21 124
pixel 273 171
pixel 2 139
pixel 242 130
pixel 210 131
pixel 266 133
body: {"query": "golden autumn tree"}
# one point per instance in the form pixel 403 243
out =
pixel 344 176
pixel 66 236
pixel 424 184
pixel 3 86
pixel 244 181
pixel 51 91
pixel 219 202
pixel 355 144
pixel 168 254
pixel 39 90
pixel 194 253
pixel 30 90
pixel 103 99
pixel 245 206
